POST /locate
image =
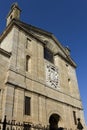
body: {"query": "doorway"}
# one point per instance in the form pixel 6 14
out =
pixel 53 121
pixel 27 127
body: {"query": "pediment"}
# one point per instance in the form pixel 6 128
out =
pixel 51 43
pixel 54 46
pixel 46 38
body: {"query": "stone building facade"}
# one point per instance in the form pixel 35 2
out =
pixel 38 82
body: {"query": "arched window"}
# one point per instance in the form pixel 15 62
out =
pixel 8 128
pixel 28 63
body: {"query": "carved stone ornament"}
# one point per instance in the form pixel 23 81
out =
pixel 51 76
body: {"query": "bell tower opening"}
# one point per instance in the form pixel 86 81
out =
pixel 53 121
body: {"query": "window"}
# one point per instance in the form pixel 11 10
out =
pixel 27 105
pixel 11 17
pixel 48 55
pixel 28 63
pixel 67 65
pixel 68 80
pixel 74 116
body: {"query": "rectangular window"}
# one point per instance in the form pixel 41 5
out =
pixel 48 55
pixel 27 105
pixel 74 117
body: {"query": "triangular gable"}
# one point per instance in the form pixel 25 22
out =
pixel 46 38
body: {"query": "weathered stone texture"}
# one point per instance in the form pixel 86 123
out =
pixel 16 82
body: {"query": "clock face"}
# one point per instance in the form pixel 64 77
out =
pixel 51 76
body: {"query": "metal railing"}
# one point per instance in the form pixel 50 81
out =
pixel 13 125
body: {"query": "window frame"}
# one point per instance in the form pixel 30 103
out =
pixel 48 55
pixel 74 117
pixel 27 105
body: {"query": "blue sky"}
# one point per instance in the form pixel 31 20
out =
pixel 67 20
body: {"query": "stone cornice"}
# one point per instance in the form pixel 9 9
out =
pixel 67 59
pixel 12 83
